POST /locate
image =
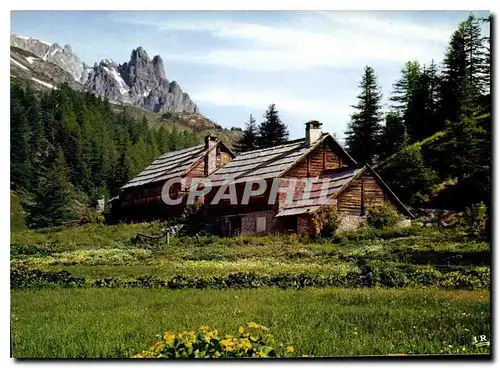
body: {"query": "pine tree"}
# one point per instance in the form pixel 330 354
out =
pixel 486 65
pixel 404 87
pixel 393 135
pixel 53 196
pixel 420 117
pixel 364 129
pixel 272 131
pixel 475 58
pixel 249 139
pixel 20 132
pixel 465 76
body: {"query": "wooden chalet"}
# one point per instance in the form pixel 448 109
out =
pixel 351 188
pixel 141 198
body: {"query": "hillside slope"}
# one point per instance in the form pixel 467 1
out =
pixel 448 170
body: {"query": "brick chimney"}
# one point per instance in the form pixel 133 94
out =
pixel 211 157
pixel 313 131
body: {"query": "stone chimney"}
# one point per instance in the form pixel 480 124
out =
pixel 211 157
pixel 313 131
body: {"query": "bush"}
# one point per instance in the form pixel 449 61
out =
pixel 375 273
pixel 206 343
pixel 476 217
pixel 326 221
pixel 24 277
pixel 93 218
pixel 33 250
pixel 381 215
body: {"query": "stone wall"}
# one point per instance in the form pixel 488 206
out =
pixel 350 223
pixel 249 223
pixel 304 225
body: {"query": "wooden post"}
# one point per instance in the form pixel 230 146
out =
pixel 168 237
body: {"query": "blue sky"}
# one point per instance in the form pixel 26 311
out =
pixel 236 63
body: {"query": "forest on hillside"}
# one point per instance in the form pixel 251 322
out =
pixel 69 148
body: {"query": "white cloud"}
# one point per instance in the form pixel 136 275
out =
pixel 322 39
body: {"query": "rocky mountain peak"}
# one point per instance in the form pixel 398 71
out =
pixel 139 55
pixel 158 67
pixel 140 81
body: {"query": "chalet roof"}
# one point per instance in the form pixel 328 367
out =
pixel 171 164
pixel 337 180
pixel 269 162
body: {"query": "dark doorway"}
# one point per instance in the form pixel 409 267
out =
pixel 235 226
pixel 289 224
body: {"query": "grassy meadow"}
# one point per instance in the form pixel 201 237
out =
pixel 90 322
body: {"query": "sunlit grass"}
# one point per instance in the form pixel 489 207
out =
pixel 92 323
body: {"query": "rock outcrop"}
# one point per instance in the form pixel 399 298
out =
pixel 141 81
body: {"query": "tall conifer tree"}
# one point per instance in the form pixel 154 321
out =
pixel 364 129
pixel 249 139
pixel 272 130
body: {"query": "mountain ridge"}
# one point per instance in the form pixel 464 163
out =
pixel 140 82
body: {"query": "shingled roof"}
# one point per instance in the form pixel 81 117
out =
pixel 269 162
pixel 171 164
pixel 337 180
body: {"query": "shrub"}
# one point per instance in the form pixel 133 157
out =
pixel 34 250
pixel 375 273
pixel 24 277
pixel 381 215
pixel 93 218
pixel 476 217
pixel 326 221
pixel 252 341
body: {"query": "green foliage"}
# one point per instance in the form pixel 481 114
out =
pixel 364 129
pixel 35 250
pixel 408 175
pixel 24 277
pixel 53 196
pixel 92 217
pixel 371 273
pixel 272 131
pixel 101 150
pixel 381 215
pixel 393 135
pixel 17 213
pixel 326 221
pixel 250 136
pixel 476 217
pixel 250 342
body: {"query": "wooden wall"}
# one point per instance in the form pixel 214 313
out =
pixel 361 193
pixel 349 201
pixel 318 160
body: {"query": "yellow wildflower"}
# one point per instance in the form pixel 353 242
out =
pixel 290 349
pixel 241 330
pixel 256 325
pixel 227 344
pixel 169 338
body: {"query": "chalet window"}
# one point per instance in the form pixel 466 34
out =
pixel 261 224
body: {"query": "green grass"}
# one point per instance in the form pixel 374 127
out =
pixel 97 323
pixel 90 323
pixel 101 251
